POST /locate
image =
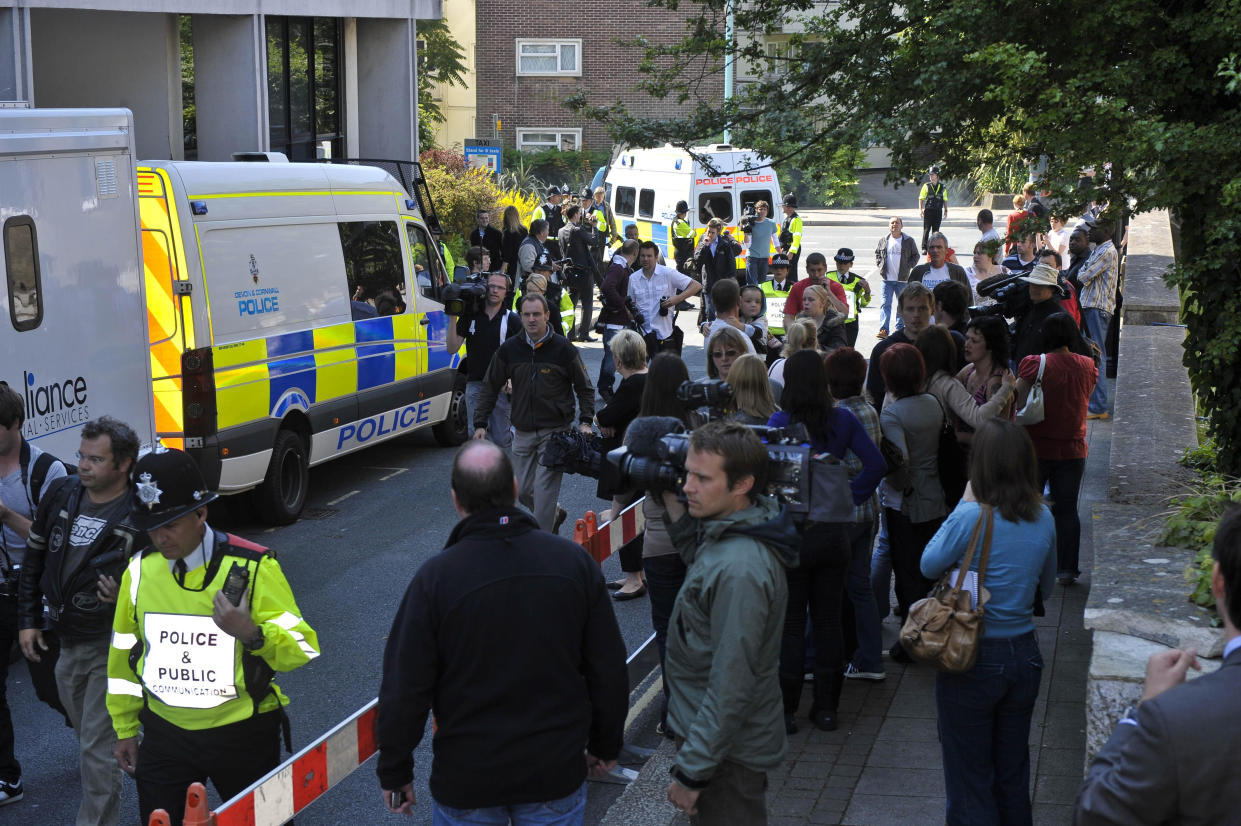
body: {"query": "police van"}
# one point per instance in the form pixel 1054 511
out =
pixel 293 319
pixel 75 318
pixel 645 184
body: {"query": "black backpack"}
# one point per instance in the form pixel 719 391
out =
pixel 34 477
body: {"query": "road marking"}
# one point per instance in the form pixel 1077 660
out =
pixel 338 500
pixel 396 471
pixel 652 691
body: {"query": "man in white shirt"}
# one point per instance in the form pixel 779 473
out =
pixel 895 256
pixel 656 289
pixel 986 225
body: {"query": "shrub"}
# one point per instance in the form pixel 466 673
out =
pixel 524 201
pixel 458 196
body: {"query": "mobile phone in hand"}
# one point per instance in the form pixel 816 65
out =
pixel 396 799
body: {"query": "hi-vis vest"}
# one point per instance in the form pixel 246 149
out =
pixel 166 646
pixel 775 300
pixel 853 292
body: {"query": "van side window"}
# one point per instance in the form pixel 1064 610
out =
pixel 750 197
pixel 715 205
pixel 624 201
pixel 373 267
pixel 21 267
pixel 646 203
pixel 428 270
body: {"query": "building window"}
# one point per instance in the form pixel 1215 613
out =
pixel 304 86
pixel 536 140
pixel 21 267
pixel 549 57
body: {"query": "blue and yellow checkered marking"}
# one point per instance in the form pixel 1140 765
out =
pixel 266 377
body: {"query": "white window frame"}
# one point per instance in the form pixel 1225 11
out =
pixel 559 132
pixel 560 43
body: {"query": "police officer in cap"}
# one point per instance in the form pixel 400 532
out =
pixel 551 212
pixel 790 233
pixel 857 291
pixel 682 239
pixel 203 621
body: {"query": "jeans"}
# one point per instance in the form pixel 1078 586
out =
pixel 498 425
pixel 755 271
pixel 817 581
pixel 881 568
pixel 82 676
pixel 868 656
pixel 607 369
pixel 908 540
pixel 567 811
pixel 984 733
pixel 1095 322
pixel 890 309
pixel 1065 479
pixel 538 487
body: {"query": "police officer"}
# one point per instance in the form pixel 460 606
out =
pixel 790 233
pixel 857 291
pixel 776 293
pixel 682 238
pixel 550 211
pixel 203 621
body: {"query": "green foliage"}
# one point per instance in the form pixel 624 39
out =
pixel 556 166
pixel 442 60
pixel 1192 523
pixel 834 186
pixel 458 194
pixel 1003 176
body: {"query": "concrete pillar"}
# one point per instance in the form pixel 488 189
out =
pixel 349 66
pixel 100 58
pixel 16 80
pixel 230 85
pixel 387 89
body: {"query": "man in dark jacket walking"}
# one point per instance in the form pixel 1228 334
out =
pixel 508 636
pixel 576 240
pixel 489 238
pixel 615 313
pixel 723 657
pixel 715 258
pixel 546 372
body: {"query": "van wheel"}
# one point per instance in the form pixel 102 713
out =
pixel 455 429
pixel 283 493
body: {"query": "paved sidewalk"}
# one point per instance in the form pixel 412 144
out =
pixel 882 766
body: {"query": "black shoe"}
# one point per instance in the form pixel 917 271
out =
pixel 561 516
pixel 623 596
pixel 827 688
pixel 898 654
pixel 790 725
pixel 616 584
pixel 588 339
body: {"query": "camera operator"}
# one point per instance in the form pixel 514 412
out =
pixel 483 332
pixel 722 666
pixel 758 230
pixel 576 239
pixel 655 290
pixel 1044 281
pixel 534 254
pixel 545 372
pixel 615 315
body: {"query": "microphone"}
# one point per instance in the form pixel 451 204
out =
pixel 642 437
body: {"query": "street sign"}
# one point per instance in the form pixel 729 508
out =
pixel 483 153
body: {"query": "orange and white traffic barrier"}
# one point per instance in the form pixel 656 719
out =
pixel 625 527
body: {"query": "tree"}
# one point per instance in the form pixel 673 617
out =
pixel 442 60
pixel 1145 92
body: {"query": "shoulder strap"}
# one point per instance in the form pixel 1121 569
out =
pixel 968 558
pixel 38 474
pixel 989 514
pixel 1042 362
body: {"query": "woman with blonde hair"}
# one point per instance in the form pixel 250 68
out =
pixel 752 399
pixel 829 325
pixel 512 233
pixel 802 335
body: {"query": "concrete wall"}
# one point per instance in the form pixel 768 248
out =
pixel 92 59
pixel 230 85
pixel 387 89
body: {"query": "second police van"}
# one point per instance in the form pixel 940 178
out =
pixel 645 184
pixel 292 319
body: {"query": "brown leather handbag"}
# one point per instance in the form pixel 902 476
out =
pixel 944 629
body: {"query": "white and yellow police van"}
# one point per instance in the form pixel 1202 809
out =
pixel 645 185
pixel 292 318
pixel 74 329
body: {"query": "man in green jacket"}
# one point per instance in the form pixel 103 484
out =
pixel 723 655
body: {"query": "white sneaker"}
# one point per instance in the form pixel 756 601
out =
pixel 10 792
pixel 852 673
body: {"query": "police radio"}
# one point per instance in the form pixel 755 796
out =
pixel 236 582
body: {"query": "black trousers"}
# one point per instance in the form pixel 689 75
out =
pixel 906 542
pixel 42 677
pixel 818 582
pixel 232 757
pixel 931 219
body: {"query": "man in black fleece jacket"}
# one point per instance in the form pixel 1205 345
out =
pixel 508 636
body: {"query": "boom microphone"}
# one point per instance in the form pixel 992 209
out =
pixel 642 437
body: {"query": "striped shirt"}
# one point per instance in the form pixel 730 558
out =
pixel 1098 278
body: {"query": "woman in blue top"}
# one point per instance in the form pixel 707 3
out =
pixel 984 714
pixel 819 578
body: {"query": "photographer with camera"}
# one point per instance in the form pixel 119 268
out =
pixel 576 240
pixel 1044 289
pixel 545 373
pixel 722 665
pixel 758 229
pixel 483 329
pixel 656 289
pixel 615 314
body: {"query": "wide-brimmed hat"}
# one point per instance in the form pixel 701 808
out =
pixel 1045 275
pixel 169 485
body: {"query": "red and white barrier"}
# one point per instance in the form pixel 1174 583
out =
pixel 608 538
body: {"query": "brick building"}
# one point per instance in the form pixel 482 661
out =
pixel 532 55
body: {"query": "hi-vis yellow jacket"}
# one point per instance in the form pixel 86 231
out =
pixel 189 671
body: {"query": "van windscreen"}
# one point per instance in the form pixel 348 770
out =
pixel 715 205
pixel 750 197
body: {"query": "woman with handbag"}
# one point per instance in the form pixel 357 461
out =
pixel 1059 436
pixel 818 581
pixel 912 420
pixel 987 348
pixel 984 712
